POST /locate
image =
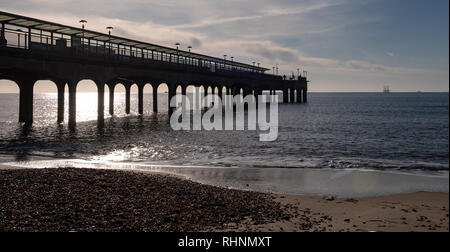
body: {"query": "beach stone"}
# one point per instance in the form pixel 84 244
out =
pixel 90 200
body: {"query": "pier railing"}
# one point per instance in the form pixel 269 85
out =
pixel 79 47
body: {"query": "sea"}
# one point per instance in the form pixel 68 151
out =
pixel 340 144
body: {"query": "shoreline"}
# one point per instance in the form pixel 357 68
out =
pixel 206 210
pixel 339 183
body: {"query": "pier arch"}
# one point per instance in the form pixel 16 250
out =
pixel 10 94
pixel 119 107
pixel 163 97
pixel 89 101
pixel 190 92
pixel 224 90
pixel 9 86
pixel 148 98
pixel 133 99
pixel 45 101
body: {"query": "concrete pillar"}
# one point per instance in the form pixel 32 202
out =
pixel 285 96
pixel 183 93
pixel 172 92
pixel 26 101
pixel 127 98
pixel 72 104
pixel 305 95
pixel 111 99
pixel 299 96
pixel 206 90
pixel 61 86
pixel 292 95
pixel 272 93
pixel 141 99
pixel 213 90
pixel 258 92
pixel 3 41
pixel 155 99
pixel 183 90
pixel 233 91
pixel 220 93
pixel 101 102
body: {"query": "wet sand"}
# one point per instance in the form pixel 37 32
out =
pixel 414 212
pixel 108 200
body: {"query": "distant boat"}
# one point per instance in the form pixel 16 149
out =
pixel 386 90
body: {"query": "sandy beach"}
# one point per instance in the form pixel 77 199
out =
pixel 107 200
pixel 414 212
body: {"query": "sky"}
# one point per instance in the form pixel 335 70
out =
pixel 345 45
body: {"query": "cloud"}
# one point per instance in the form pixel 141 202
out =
pixel 390 54
pixel 263 13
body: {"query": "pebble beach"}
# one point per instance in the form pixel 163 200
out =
pixel 96 200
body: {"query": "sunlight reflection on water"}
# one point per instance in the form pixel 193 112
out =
pixel 46 106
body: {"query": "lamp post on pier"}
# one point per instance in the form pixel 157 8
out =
pixel 189 49
pixel 232 60
pixel 109 28
pixel 83 23
pixel 224 63
pixel 177 45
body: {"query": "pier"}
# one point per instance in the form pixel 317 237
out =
pixel 32 50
